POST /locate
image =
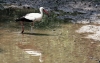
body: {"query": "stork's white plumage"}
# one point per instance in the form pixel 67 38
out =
pixel 32 17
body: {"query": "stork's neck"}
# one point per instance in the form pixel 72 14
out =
pixel 41 12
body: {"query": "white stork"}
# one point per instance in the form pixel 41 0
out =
pixel 31 17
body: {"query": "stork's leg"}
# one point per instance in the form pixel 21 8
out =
pixel 22 24
pixel 32 26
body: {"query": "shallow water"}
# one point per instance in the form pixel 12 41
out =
pixel 58 45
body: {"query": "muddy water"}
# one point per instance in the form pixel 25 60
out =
pixel 59 45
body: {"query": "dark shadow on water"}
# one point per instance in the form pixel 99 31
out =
pixel 39 34
pixel 1 50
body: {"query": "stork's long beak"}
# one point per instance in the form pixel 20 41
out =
pixel 46 12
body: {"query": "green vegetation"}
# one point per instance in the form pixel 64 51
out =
pixel 10 14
